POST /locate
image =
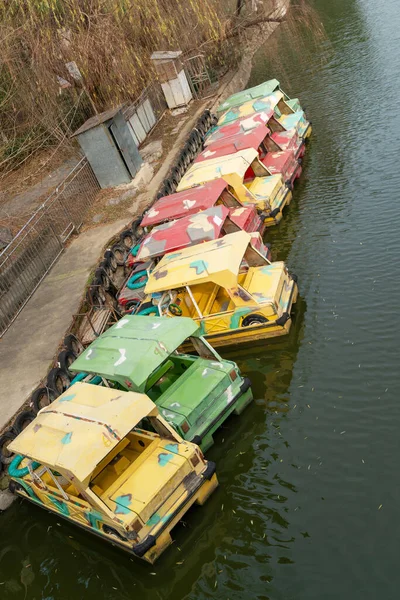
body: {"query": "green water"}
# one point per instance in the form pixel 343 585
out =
pixel 309 498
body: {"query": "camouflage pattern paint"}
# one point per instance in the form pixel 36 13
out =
pixel 118 495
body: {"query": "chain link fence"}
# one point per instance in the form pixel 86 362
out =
pixel 38 244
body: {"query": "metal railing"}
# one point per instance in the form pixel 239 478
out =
pixel 144 113
pixel 198 74
pixel 35 248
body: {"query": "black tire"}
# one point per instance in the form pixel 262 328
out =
pixel 96 296
pixel 5 439
pixel 137 228
pixel 197 139
pixel 106 266
pixel 41 398
pixel 175 176
pixel 254 320
pixel 120 253
pixel 181 167
pixel 193 142
pixel 113 532
pixel 102 277
pixel 208 119
pixel 201 126
pixel 131 305
pixel 169 186
pixel 111 259
pixel 128 239
pixel 72 343
pixel 188 152
pixel 162 192
pixel 65 360
pixel 58 381
pixel 23 420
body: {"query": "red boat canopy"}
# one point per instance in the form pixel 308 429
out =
pixel 235 142
pixel 188 202
pixel 240 126
pixel 188 231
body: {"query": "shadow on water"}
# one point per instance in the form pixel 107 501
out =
pixel 246 520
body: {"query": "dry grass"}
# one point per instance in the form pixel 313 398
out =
pixel 111 42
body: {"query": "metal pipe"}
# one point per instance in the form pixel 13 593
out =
pixel 189 291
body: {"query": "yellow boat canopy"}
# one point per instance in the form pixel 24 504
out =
pixel 231 168
pixel 81 427
pixel 217 261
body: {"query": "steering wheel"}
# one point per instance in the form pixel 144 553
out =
pixel 175 310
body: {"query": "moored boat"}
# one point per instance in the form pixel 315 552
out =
pixel 86 459
pixel 249 179
pixel 232 291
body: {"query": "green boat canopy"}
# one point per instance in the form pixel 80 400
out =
pixel 259 91
pixel 133 348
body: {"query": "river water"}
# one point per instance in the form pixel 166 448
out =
pixel 308 502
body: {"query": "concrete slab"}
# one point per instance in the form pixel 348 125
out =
pixel 27 349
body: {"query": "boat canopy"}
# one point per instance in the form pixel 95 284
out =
pixel 133 348
pixel 184 203
pixel 232 169
pixel 218 261
pixel 263 89
pixel 79 429
pixel 252 138
pixel 249 108
pixel 194 229
pixel 240 126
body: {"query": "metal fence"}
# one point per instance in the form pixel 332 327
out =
pixel 197 74
pixel 145 112
pixel 36 247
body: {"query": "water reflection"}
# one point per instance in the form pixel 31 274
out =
pixel 244 526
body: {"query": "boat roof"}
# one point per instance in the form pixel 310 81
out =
pixel 217 261
pixel 239 126
pixel 215 168
pixel 184 203
pixel 193 229
pixel 263 89
pixel 76 431
pixel 248 108
pixel 129 351
pixel 252 138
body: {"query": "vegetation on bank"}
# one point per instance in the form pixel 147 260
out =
pixel 111 42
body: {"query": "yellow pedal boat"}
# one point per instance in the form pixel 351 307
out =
pixel 250 181
pixel 228 287
pixel 86 459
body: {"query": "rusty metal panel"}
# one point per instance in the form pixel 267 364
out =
pixel 104 156
pixel 126 144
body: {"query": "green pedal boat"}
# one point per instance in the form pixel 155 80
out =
pixel 195 394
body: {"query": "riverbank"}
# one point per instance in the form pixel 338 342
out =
pixel 48 315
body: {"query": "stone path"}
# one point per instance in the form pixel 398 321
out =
pixel 27 349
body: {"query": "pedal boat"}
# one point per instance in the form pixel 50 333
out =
pixel 86 459
pixel 233 292
pixel 191 201
pixel 285 139
pixel 283 112
pixel 259 91
pixel 250 181
pixel 195 394
pixel 210 224
pixel 286 163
